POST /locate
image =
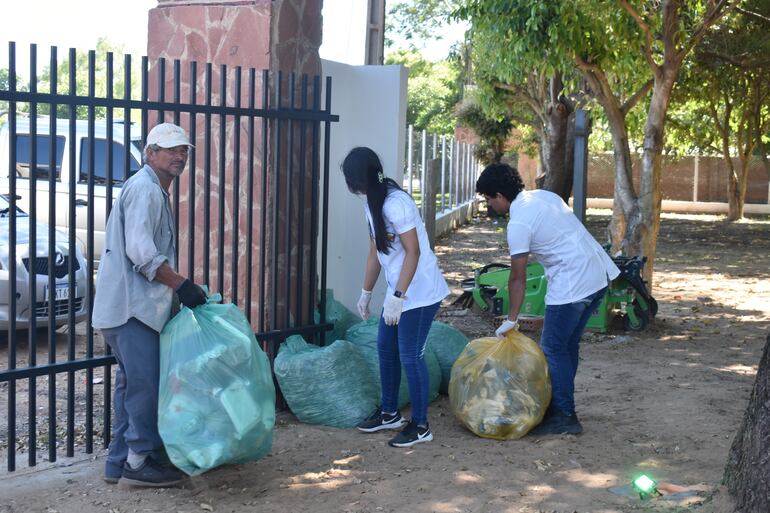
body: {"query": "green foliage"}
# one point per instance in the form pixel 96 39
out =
pixel 5 85
pixel 601 137
pixel 514 39
pixel 519 44
pixel 432 91
pixel 434 87
pixel 417 20
pixel 723 94
pixel 492 131
pixel 690 128
pixel 103 47
pixel 518 37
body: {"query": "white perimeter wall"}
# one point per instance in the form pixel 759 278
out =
pixel 371 104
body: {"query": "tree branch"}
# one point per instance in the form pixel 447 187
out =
pixel 507 87
pixel 555 87
pixel 751 14
pixel 669 29
pixel 760 124
pixel 597 80
pixel 522 95
pixel 715 13
pixel 715 114
pixel 715 149
pixel 745 61
pixel 569 102
pixel 647 36
pixel 537 87
pixel 638 95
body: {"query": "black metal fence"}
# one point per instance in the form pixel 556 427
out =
pixel 248 211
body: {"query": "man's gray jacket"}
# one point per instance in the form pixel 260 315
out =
pixel 139 238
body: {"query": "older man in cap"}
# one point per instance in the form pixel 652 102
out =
pixel 134 295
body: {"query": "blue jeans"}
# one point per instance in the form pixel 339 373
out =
pixel 404 344
pixel 136 347
pixel 560 341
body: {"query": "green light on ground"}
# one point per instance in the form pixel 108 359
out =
pixel 645 486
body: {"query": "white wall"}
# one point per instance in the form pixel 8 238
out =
pixel 371 104
pixel 687 207
pixel 344 31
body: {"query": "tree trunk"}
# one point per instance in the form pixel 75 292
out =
pixel 541 170
pixel 555 143
pixel 747 473
pixel 559 163
pixel 739 178
pixel 736 196
pixel 644 236
pixel 626 205
pixel 617 226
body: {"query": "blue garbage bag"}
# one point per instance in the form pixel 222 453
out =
pixel 364 336
pixel 329 385
pixel 217 397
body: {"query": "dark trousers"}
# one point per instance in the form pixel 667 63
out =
pixel 135 425
pixel 563 326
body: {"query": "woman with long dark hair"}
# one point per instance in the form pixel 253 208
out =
pixel 399 245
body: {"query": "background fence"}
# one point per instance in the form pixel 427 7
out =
pixel 248 211
pixel 453 179
pixel 689 179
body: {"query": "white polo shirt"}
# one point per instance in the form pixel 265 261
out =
pixel 575 264
pixel 401 215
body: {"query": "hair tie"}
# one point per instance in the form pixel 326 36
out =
pixel 380 177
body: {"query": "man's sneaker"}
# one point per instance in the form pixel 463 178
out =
pixel 152 473
pixel 112 472
pixel 412 434
pixel 378 421
pixel 161 457
pixel 556 423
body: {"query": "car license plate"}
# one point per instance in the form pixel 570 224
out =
pixel 61 292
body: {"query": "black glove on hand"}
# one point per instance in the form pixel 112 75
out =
pixel 190 294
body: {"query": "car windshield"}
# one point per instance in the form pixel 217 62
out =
pixel 5 208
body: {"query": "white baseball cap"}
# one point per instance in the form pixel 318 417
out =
pixel 168 135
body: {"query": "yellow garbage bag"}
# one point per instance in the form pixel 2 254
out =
pixel 500 388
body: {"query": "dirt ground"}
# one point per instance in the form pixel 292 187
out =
pixel 666 401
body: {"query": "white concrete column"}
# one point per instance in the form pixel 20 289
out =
pixel 695 171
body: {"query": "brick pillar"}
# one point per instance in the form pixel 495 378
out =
pixel 276 35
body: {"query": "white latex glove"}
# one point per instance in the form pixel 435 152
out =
pixel 363 303
pixel 391 311
pixel 505 327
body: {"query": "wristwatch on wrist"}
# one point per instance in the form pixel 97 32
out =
pixel 398 293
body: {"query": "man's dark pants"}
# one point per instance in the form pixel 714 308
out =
pixel 563 326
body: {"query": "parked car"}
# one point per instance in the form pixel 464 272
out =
pixel 24 308
pixel 24 141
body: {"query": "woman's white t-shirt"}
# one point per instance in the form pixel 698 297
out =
pixel 575 264
pixel 401 215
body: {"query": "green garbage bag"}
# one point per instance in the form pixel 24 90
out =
pixel 364 336
pixel 339 316
pixel 446 343
pixel 329 385
pixel 217 398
